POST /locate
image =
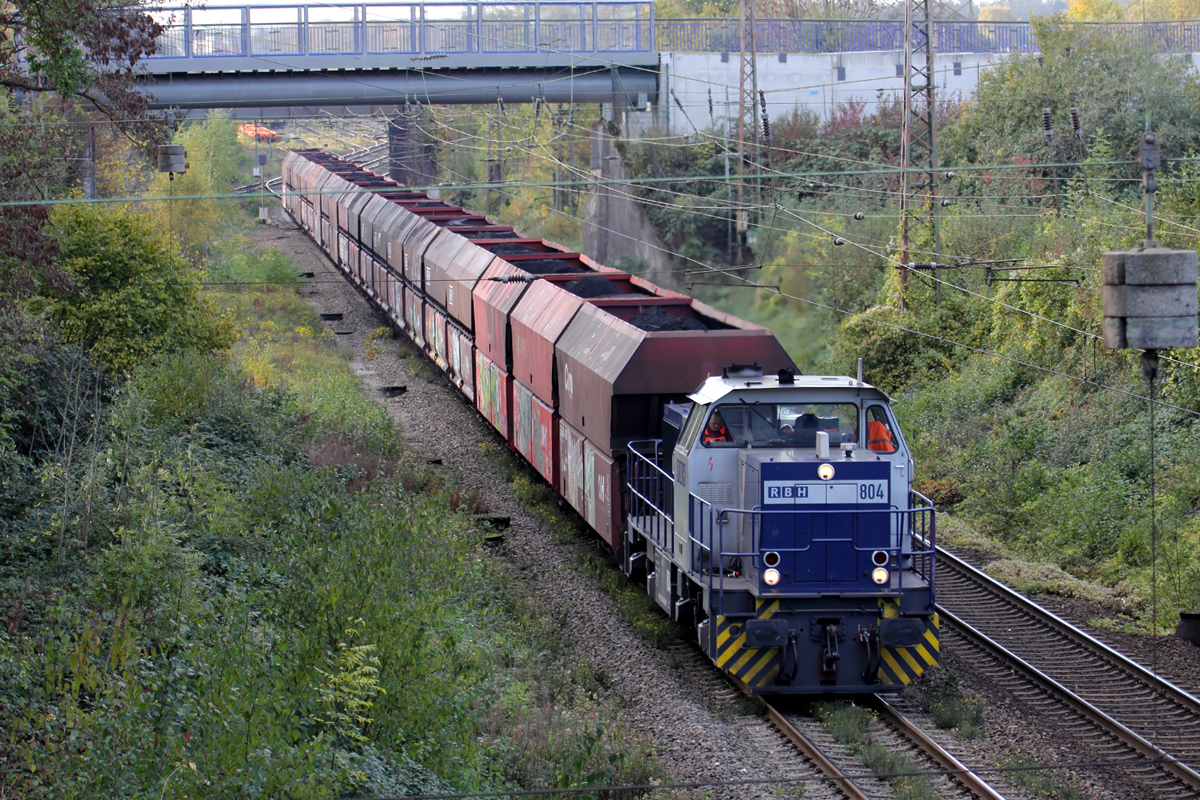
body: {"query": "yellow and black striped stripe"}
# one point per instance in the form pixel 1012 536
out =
pixel 754 666
pixel 902 665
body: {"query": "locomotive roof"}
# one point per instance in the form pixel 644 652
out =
pixel 715 388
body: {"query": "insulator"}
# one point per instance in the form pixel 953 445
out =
pixel 838 241
pixel 814 186
pixel 766 129
pixel 710 106
pixel 947 202
pixel 500 104
pixel 1076 127
pixel 950 175
pixel 1047 125
pixel 860 216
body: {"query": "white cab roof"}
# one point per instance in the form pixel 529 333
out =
pixel 714 389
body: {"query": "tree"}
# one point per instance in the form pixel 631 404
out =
pixel 1116 81
pixel 135 295
pixel 214 158
pixel 80 49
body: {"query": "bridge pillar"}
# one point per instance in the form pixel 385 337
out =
pixel 412 150
pixel 615 230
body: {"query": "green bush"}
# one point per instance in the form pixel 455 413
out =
pixel 134 296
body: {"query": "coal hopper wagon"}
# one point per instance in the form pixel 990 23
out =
pixel 769 512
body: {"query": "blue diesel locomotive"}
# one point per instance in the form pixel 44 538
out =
pixel 777 517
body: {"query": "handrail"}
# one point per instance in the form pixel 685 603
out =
pixel 608 26
pixel 592 27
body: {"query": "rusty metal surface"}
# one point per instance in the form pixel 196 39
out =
pixel 355 204
pixel 416 239
pixel 601 356
pixel 538 319
pixel 377 209
pixel 675 362
pixel 590 357
pixel 493 301
pixel 438 256
pixel 394 231
pixel 461 277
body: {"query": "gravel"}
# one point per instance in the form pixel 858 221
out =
pixel 697 736
pixel 1174 659
pixel 689 713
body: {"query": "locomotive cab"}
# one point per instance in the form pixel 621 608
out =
pixel 796 544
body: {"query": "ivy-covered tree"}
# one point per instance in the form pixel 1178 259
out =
pixel 1116 81
pixel 134 296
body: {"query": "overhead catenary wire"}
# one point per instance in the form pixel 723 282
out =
pixel 902 328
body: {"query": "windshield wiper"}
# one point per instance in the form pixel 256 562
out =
pixel 750 406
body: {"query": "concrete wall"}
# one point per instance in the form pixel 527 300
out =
pixel 613 223
pixel 800 81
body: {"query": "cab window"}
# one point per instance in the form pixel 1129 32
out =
pixel 780 424
pixel 881 434
pixel 691 428
pixel 717 431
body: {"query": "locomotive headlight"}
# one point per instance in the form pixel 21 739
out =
pixel 771 577
pixel 825 472
pixel 879 575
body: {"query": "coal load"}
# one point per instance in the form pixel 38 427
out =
pixel 655 320
pixel 593 286
pixel 513 249
pixel 492 235
pixel 544 266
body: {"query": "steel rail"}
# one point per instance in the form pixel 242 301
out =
pixel 1070 631
pixel 841 780
pixel 957 770
pixel 1080 706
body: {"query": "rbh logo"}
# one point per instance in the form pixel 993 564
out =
pixel 787 492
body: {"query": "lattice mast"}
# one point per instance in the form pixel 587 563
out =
pixel 747 130
pixel 918 199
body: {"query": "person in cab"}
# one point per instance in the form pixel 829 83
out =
pixel 879 434
pixel 715 430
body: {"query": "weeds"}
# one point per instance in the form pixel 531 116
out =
pixel 1039 783
pixel 275 597
pixel 949 707
pixel 848 724
pixel 371 341
pixel 593 559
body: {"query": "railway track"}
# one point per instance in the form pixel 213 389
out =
pixel 898 734
pixel 1119 708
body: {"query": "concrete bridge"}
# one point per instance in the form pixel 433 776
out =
pixel 263 57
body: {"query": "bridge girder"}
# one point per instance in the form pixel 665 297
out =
pixel 639 85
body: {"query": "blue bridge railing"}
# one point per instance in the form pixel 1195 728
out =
pixel 417 29
pixel 849 36
pixel 434 29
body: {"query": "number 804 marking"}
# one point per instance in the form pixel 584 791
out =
pixel 872 491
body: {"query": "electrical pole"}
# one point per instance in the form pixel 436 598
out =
pixel 747 131
pixel 918 199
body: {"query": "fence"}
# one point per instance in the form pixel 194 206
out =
pixel 418 29
pixel 849 36
pixel 422 29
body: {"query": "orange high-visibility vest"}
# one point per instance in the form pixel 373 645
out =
pixel 879 438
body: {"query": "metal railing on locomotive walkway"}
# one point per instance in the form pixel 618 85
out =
pixel 710 531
